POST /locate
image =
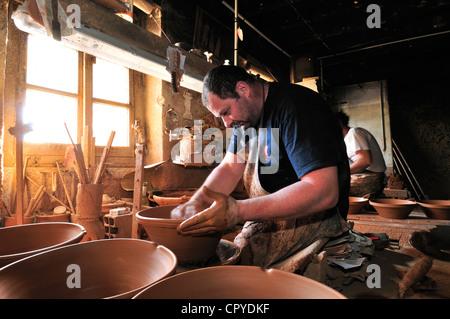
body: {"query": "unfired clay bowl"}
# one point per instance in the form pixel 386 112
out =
pixel 21 241
pixel 238 282
pixel 436 209
pixel 163 230
pixel 356 204
pixel 106 268
pixel 393 208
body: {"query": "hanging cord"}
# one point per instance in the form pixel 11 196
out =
pixel 160 28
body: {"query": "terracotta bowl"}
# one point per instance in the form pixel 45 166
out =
pixel 356 204
pixel 238 282
pixel 107 268
pixel 51 218
pixel 12 220
pixel 175 197
pixel 436 209
pixel 393 208
pixel 25 240
pixel 163 230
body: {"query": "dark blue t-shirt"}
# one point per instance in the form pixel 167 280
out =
pixel 309 138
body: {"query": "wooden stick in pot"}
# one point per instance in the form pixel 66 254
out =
pixel 102 164
pixel 72 209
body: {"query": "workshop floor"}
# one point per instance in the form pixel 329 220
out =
pixel 392 262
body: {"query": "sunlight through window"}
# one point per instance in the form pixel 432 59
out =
pixel 51 65
pixel 52 96
pixel 47 114
pixel 109 118
pixel 111 82
pixel 53 69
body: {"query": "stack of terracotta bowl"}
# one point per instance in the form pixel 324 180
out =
pixel 238 282
pixel 162 229
pixel 356 204
pixel 436 209
pixel 107 268
pixel 26 240
pixel 393 208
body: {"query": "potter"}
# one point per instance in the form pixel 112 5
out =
pixel 367 165
pixel 304 199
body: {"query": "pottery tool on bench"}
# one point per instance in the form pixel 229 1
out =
pixel 48 193
pixel 34 202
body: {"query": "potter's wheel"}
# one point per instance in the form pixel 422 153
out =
pixel 227 253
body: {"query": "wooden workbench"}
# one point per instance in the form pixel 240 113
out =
pixel 399 229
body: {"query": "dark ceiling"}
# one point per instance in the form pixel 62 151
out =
pixel 411 43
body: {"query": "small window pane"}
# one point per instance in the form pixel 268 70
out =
pixel 47 114
pixel 51 65
pixel 111 81
pixel 107 118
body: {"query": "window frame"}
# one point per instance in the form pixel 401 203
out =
pixel 47 153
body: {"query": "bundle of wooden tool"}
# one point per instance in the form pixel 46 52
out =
pixel 89 192
pixel 80 167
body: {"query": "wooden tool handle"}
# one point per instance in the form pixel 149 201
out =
pixel 101 165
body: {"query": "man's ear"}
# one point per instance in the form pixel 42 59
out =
pixel 242 88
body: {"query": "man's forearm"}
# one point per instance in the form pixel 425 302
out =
pixel 363 161
pixel 223 179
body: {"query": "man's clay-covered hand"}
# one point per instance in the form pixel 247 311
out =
pixel 221 215
pixel 188 209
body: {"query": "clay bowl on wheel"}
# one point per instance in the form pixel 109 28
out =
pixel 356 204
pixel 238 282
pixel 105 268
pixel 163 230
pixel 436 209
pixel 25 240
pixel 393 208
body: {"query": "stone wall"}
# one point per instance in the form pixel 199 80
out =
pixel 420 125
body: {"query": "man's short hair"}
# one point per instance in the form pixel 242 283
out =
pixel 342 117
pixel 222 80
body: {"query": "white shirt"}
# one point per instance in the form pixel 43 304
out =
pixel 359 139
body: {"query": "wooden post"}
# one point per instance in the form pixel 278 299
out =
pixel 137 194
pixel 18 131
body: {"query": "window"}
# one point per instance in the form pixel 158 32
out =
pixel 56 76
pixel 52 91
pixel 111 98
